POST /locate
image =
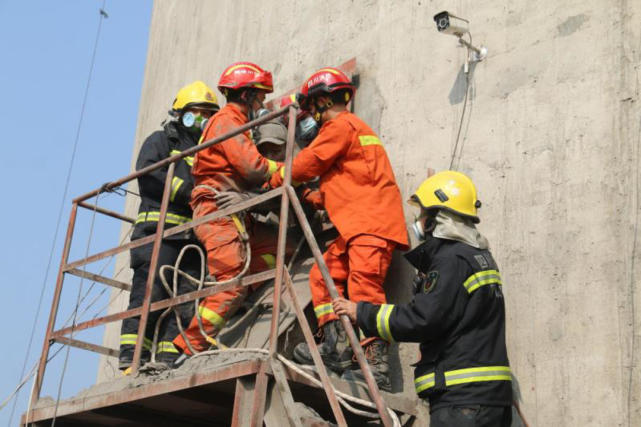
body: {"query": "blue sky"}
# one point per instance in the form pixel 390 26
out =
pixel 46 50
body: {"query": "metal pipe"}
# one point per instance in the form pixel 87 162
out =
pixel 159 305
pixel 188 152
pixel 106 212
pixel 283 224
pixel 258 409
pixel 87 346
pixel 54 306
pixel 98 278
pixel 469 45
pixel 331 287
pixel 177 229
pixel 146 302
pixel 313 349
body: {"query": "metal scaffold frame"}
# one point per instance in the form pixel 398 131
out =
pixel 260 367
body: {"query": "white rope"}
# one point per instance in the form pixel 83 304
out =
pixel 341 397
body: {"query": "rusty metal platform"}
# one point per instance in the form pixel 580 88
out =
pixel 201 395
pixel 249 391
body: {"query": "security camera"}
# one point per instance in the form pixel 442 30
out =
pixel 449 24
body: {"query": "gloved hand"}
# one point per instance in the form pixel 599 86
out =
pixel 276 179
pixel 313 197
pixel 225 199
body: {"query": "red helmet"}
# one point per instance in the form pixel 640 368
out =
pixel 287 100
pixel 324 81
pixel 242 75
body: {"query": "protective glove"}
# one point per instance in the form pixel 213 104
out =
pixel 276 180
pixel 225 199
pixel 313 197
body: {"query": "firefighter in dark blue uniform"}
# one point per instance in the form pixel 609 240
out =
pixel 457 314
pixel 194 104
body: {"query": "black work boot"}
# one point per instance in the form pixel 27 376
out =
pixel 126 357
pixel 334 348
pixel 376 353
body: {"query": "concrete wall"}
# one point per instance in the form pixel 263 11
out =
pixel 551 137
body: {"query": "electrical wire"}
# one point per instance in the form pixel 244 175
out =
pixel 62 205
pixel 26 378
pixel 467 90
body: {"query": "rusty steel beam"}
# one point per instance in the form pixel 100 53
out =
pixel 347 325
pixel 285 392
pixel 159 305
pixel 178 229
pixel 318 361
pixel 86 346
pixel 143 391
pixel 260 394
pixel 106 212
pixel 242 401
pixel 188 152
pixel 283 224
pixel 102 279
pixel 35 395
pixel 151 276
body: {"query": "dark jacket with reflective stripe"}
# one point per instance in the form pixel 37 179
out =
pixel 161 144
pixel 458 317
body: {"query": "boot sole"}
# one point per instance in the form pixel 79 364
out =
pixel 361 381
pixel 334 366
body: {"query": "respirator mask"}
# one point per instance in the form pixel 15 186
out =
pixel 418 230
pixel 193 122
pixel 307 129
pixel 258 114
pixel 424 225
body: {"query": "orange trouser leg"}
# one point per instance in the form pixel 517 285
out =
pixel 338 264
pixel 363 264
pixel 225 259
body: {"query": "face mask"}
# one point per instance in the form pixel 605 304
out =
pixel 417 228
pixel 189 120
pixel 261 112
pixel 307 129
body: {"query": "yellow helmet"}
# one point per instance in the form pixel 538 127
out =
pixel 196 94
pixel 449 190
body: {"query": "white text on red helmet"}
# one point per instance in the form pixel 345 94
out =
pixel 318 79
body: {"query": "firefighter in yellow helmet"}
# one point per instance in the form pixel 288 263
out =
pixel 457 314
pixel 193 105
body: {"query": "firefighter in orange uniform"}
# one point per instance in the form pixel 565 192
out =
pixel 359 192
pixel 222 174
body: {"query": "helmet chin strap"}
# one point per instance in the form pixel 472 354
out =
pixel 249 96
pixel 320 109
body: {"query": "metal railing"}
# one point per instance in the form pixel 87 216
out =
pixel 279 273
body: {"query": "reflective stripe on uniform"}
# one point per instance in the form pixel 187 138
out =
pixel 130 339
pixel 366 140
pixel 166 347
pixel 424 382
pixel 155 216
pixel 482 278
pixel 175 186
pixel 212 317
pixel 382 322
pixel 282 175
pixel 189 159
pixel 269 259
pixel 464 376
pixel 273 167
pixel 323 309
